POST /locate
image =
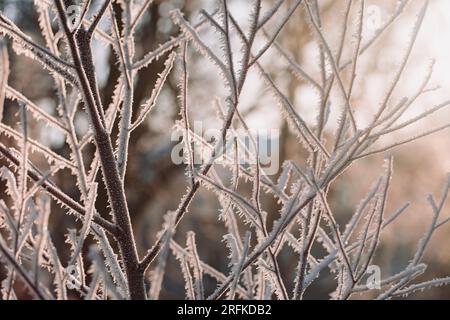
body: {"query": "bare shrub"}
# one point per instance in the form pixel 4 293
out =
pixel 111 266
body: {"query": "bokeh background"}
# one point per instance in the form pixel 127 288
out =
pixel 154 184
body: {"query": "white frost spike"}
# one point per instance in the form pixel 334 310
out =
pixel 237 268
pixel 181 256
pixel 110 288
pixel 15 95
pixel 36 146
pixel 11 184
pixel 284 177
pixel 150 103
pixel 4 72
pixel 57 269
pixel 201 47
pixel 111 259
pixel 90 210
pixel 157 274
pixel 196 266
pixel 24 45
pixel 233 248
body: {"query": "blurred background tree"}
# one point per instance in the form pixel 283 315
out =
pixel 154 183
